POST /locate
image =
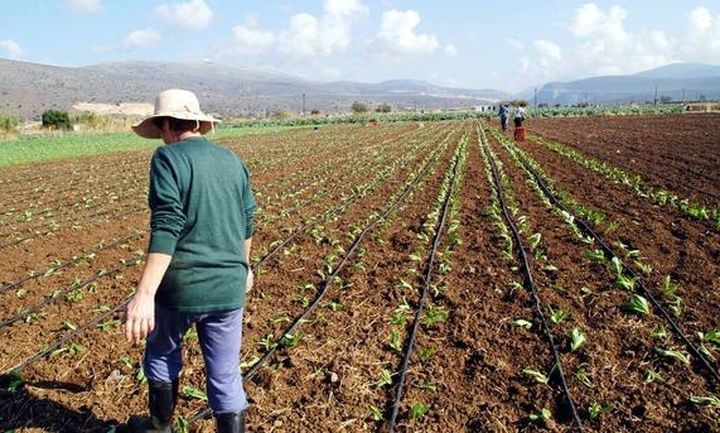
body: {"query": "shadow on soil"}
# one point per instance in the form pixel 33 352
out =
pixel 20 409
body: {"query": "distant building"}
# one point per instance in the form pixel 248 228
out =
pixel 485 108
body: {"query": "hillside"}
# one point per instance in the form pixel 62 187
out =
pixel 27 89
pixel 678 82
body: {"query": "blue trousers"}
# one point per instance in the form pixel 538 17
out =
pixel 220 335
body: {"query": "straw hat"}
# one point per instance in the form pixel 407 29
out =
pixel 179 104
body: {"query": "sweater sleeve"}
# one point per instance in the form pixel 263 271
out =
pixel 167 218
pixel 249 204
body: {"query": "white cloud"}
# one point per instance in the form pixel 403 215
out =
pixel 397 34
pixel 192 15
pixel 141 38
pixel 12 49
pixel 451 50
pixel 249 39
pixel 700 19
pixel 309 36
pixel 548 50
pixel 85 5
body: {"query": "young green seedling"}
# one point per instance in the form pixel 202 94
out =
pixel 577 339
pixel 638 305
pixel 375 412
pixel 540 417
pixel 709 400
pixel 583 377
pixel 674 354
pixel 418 410
pixel 385 378
pixel 537 375
pixel 521 323
pixel 396 341
pixel 596 410
pixel 558 316
pixel 425 354
pixel 192 392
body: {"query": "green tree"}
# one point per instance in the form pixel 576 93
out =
pixel 56 119
pixel 359 107
pixel 8 123
pixel 383 108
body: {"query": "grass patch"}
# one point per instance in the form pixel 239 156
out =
pixel 71 145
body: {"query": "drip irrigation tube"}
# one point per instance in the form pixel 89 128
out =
pixel 585 227
pixel 321 292
pixel 418 313
pixel 530 285
pixel 37 307
pixel 51 269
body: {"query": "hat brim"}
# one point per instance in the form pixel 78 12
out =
pixel 147 128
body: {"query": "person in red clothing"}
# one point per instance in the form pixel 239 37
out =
pixel 198 263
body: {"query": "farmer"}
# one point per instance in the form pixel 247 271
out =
pixel 198 262
pixel 504 114
pixel 519 116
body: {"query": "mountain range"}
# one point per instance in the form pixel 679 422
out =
pixel 675 82
pixel 28 89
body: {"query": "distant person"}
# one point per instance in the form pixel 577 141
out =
pixel 519 116
pixel 504 115
pixel 198 262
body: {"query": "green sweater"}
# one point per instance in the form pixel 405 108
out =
pixel 202 212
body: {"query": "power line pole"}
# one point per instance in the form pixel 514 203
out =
pixel 535 99
pixel 655 101
pixel 303 105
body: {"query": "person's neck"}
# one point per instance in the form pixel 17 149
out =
pixel 188 134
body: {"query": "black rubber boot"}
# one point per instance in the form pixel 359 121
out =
pixel 163 396
pixel 233 422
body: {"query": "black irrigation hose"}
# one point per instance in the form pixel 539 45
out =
pixel 585 227
pixel 124 303
pixel 91 219
pixel 530 284
pixel 321 292
pixel 418 313
pixel 60 341
pixel 67 263
pixel 37 307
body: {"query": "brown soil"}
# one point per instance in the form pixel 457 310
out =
pixel 679 153
pixel 328 382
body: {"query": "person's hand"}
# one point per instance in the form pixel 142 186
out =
pixel 140 318
pixel 250 281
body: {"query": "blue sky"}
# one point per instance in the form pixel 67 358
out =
pixel 510 45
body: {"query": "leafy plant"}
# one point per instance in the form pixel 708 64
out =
pixel 534 241
pixel 384 379
pixel 418 410
pixel 674 354
pixel 577 339
pixel 427 386
pixel 537 375
pixel 638 305
pixel 542 416
pixel 709 400
pixel 595 255
pixel 712 336
pixel 375 412
pixel 596 410
pixel 268 342
pixel 558 316
pixel 425 354
pixel 192 392
pixel 521 323
pixel 583 377
pixel 396 341
pixel 434 315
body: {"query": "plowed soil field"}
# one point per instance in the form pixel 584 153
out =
pixel 391 293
